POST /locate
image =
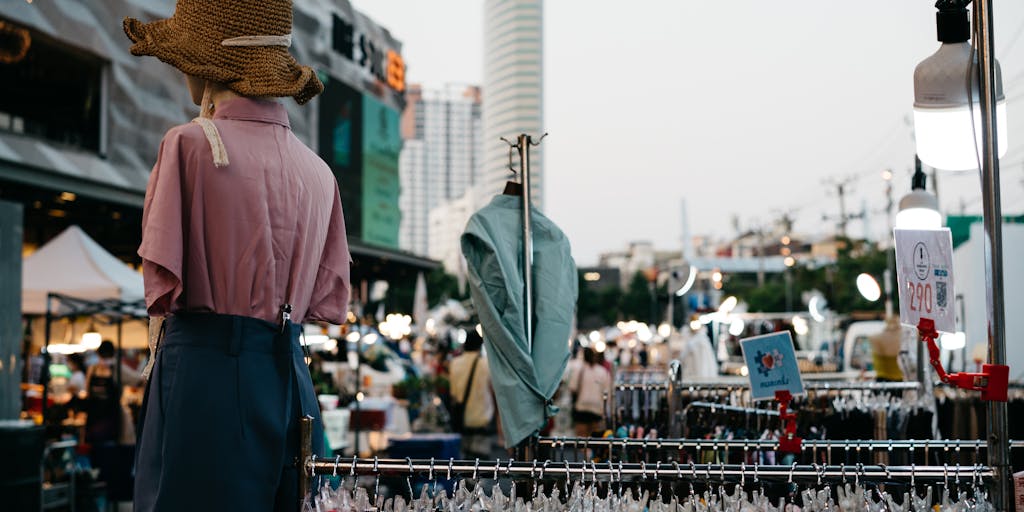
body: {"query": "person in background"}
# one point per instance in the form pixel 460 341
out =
pixel 588 387
pixel 76 384
pixel 471 389
pixel 103 399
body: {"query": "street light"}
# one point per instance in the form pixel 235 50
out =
pixel 947 123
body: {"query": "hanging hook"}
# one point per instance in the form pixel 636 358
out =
pixel 913 475
pixel 476 469
pixel 430 473
pixel 376 482
pixel 541 139
pixel 508 470
pixel 643 469
pixel 743 473
pixel 568 476
pixel 408 479
pixel 511 147
pixel 945 474
pixel 451 462
pixel 497 467
pixel 337 459
pixel 791 471
pixel 312 465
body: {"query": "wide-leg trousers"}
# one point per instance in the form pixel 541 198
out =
pixel 219 428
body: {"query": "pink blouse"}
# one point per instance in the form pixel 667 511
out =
pixel 244 239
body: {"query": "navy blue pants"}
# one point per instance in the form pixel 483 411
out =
pixel 220 424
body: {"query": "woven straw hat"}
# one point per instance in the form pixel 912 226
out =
pixel 242 44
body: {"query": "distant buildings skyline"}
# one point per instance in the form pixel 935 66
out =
pixel 513 89
pixel 441 157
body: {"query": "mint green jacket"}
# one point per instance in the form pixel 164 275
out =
pixel 524 380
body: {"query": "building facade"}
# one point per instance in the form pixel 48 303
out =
pixel 441 159
pixel 81 122
pixel 513 88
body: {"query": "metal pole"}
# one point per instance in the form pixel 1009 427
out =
pixel 998 426
pixel 44 372
pixel 524 160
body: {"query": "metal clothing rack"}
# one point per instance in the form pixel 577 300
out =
pixel 660 471
pixel 768 444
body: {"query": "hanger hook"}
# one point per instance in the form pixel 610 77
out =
pixel 376 481
pixel 352 469
pixel 568 476
pixel 497 467
pixel 511 147
pixel 792 469
pixel 913 475
pixel 541 139
pixel 430 473
pixel 508 470
pixel 337 459
pixel 451 462
pixel 743 473
pixel 476 469
pixel 312 465
pixel 643 469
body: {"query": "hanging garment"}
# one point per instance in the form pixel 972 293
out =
pixel 524 377
pixel 698 358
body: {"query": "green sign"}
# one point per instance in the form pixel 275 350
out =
pixel 382 143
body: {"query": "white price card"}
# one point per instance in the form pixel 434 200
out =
pixel 924 272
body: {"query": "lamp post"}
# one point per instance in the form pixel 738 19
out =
pixel 951 135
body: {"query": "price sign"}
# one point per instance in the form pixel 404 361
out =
pixel 924 271
pixel 771 365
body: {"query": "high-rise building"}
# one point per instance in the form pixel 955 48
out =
pixel 513 88
pixel 441 157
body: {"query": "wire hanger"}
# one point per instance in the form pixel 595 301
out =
pixel 512 188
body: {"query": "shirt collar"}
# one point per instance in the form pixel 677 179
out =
pixel 249 109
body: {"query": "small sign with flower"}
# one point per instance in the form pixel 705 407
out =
pixel 771 365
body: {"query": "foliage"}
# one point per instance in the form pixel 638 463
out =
pixel 836 281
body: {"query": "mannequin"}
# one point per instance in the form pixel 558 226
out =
pixel 885 350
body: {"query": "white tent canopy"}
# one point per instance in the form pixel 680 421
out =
pixel 75 265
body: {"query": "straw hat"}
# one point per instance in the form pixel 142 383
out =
pixel 242 44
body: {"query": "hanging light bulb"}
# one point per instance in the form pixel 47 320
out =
pixel 947 115
pixel 91 339
pixel 919 209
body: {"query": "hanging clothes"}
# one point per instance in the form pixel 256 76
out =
pixel 524 377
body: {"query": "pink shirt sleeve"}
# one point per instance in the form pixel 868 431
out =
pixel 162 238
pixel 329 301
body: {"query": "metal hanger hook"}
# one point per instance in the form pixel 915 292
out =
pixel 476 469
pixel 541 139
pixel 312 465
pixel 451 462
pixel 337 460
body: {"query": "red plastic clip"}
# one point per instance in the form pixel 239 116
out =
pixel 789 442
pixel 993 381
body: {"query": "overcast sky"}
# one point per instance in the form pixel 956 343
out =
pixel 742 108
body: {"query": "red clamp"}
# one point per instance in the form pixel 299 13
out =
pixel 789 442
pixel 993 380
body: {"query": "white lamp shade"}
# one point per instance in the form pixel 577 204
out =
pixel 945 136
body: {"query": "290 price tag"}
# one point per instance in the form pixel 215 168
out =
pixel 924 270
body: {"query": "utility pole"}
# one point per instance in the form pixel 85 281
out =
pixel 842 187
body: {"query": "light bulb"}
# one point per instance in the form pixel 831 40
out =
pixel 918 218
pixel 868 287
pixel 946 137
pixel 953 340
